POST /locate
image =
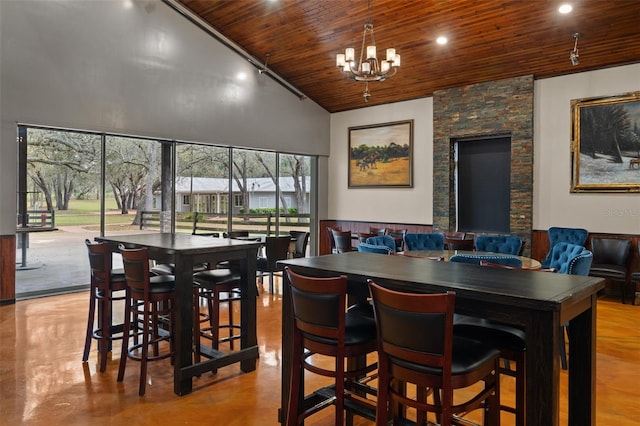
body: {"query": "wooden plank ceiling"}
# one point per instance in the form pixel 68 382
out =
pixel 488 40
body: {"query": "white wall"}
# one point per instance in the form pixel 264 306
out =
pixel 144 70
pixel 403 205
pixel 553 204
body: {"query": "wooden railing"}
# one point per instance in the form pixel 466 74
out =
pixel 40 219
pixel 210 223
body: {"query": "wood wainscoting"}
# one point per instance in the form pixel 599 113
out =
pixel 7 269
pixel 324 244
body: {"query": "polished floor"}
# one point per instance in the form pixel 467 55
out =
pixel 44 382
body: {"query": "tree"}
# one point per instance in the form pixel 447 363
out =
pixel 56 160
pixel 601 129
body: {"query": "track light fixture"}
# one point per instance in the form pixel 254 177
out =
pixel 575 58
pixel 264 68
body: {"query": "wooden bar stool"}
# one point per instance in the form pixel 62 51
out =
pixel 105 282
pixel 217 286
pixel 149 305
pixel 322 326
pixel 416 345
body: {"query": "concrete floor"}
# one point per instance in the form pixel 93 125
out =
pixel 56 262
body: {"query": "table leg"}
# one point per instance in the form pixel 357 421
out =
pixel 582 367
pixel 183 323
pixel 543 368
pixel 248 319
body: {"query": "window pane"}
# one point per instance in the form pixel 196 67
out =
pixel 61 204
pixel 295 187
pixel 202 178
pixel 133 179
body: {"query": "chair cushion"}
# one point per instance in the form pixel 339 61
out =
pixel 491 333
pixel 159 284
pixel 608 271
pixel 358 329
pixel 468 355
pixel 213 277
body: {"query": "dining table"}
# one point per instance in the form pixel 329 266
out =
pixel 445 255
pixel 539 303
pixel 185 250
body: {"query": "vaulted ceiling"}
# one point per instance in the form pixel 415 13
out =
pixel 488 40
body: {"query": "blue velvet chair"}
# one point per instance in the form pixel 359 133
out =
pixel 371 248
pixel 505 244
pixel 427 241
pixel 564 235
pixel 476 259
pixel 382 240
pixel 567 258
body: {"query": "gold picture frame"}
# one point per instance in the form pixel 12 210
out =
pixel 605 147
pixel 381 155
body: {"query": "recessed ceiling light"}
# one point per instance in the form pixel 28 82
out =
pixel 565 8
pixel 241 76
pixel 441 40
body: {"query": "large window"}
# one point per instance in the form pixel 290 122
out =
pixel 85 184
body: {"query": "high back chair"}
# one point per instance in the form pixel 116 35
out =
pixel 505 244
pixel 107 286
pixel 564 259
pixel 378 231
pixel 149 303
pixel 458 244
pixel 332 240
pixel 416 346
pixel 342 241
pixel 557 234
pixel 276 248
pixel 322 326
pixel 302 240
pixel 610 261
pixel 398 237
pixel 426 241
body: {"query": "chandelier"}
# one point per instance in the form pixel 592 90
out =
pixel 368 68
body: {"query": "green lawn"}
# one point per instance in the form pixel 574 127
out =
pixel 87 212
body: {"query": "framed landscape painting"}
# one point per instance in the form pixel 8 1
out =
pixel 380 155
pixel 606 144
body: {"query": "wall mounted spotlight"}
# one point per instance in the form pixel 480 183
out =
pixel 575 58
pixel 264 68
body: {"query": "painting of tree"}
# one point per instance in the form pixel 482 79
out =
pixel 380 155
pixel 606 146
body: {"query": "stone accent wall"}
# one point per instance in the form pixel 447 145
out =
pixel 493 108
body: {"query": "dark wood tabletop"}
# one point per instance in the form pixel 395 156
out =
pixel 538 302
pixel 185 250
